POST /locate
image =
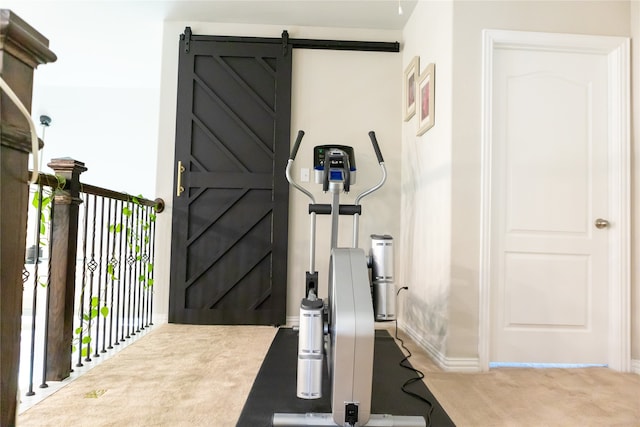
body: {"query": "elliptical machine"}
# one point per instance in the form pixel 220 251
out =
pixel 342 326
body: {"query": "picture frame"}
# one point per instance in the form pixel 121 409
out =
pixel 409 97
pixel 426 99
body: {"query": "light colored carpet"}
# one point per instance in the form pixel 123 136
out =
pixel 184 375
pixel 519 397
pixel 177 375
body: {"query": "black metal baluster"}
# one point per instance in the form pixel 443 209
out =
pixel 47 294
pixel 85 229
pixel 125 273
pixel 149 266
pixel 99 281
pixel 112 262
pixel 136 264
pixel 136 256
pixel 120 304
pixel 143 273
pixel 106 274
pixel 130 261
pixel 141 263
pixel 34 299
pixel 92 268
pixel 153 261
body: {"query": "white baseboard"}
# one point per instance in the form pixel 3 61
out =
pixel 635 366
pixel 293 321
pixel 448 364
pixel 160 318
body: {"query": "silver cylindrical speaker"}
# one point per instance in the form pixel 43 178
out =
pixel 382 280
pixel 310 349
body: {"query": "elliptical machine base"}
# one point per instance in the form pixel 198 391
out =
pixel 323 420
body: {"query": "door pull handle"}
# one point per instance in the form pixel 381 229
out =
pixel 180 188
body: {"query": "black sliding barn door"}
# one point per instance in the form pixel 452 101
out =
pixel 229 237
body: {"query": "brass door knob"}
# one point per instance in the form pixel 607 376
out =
pixel 601 223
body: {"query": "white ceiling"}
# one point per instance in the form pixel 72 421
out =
pixel 380 14
pixel 91 36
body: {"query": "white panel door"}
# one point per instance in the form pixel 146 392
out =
pixel 549 294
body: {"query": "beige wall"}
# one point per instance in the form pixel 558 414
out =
pixel 448 322
pixel 425 243
pixel 337 97
pixel 635 184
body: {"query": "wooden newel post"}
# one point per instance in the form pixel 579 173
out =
pixel 22 49
pixel 63 268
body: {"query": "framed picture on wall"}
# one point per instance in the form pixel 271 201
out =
pixel 426 99
pixel 410 81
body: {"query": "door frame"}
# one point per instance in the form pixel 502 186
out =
pixel 616 49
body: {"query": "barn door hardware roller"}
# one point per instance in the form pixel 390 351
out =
pixel 285 43
pixel 186 37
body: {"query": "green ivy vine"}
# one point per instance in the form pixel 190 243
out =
pixel 44 204
pixel 132 240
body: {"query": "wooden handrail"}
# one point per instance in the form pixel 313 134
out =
pixel 53 182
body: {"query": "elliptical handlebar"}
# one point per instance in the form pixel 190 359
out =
pixel 292 157
pixel 383 179
pixel 296 145
pixel 376 147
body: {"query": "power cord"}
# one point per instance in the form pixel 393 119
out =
pixel 405 364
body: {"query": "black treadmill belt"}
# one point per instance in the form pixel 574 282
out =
pixel 274 389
